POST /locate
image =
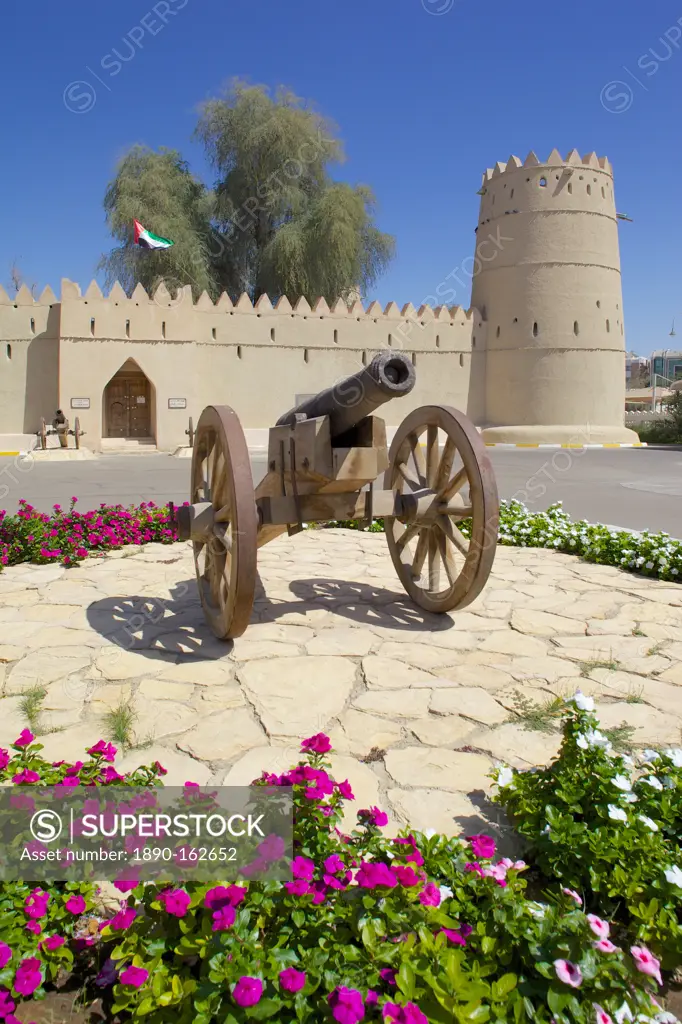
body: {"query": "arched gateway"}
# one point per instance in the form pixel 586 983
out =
pixel 127 404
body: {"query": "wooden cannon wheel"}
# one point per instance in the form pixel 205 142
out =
pixel 42 434
pixel 190 433
pixel 226 560
pixel 440 568
pixel 77 432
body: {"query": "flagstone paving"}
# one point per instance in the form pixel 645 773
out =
pixel 419 707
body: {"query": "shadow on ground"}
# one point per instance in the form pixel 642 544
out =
pixel 176 625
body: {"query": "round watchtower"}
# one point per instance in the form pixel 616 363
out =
pixel 548 285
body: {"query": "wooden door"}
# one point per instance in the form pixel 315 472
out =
pixel 138 407
pixel 127 407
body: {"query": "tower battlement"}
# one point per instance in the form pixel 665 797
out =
pixel 555 159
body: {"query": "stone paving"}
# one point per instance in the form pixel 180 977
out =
pixel 419 707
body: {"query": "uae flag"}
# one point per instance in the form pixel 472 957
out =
pixel 147 240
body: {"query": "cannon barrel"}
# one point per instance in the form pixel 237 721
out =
pixel 389 375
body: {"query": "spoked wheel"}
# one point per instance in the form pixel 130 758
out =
pixel 440 468
pixel 226 560
pixel 77 432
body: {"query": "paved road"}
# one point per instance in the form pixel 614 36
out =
pixel 634 488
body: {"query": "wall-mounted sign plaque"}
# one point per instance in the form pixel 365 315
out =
pixel 177 403
pixel 80 403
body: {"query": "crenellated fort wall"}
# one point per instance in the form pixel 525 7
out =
pixel 539 357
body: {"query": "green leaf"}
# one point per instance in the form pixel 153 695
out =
pixel 504 985
pixel 405 980
pixel 298 917
pixel 264 1009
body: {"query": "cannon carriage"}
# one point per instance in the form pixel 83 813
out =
pixel 324 458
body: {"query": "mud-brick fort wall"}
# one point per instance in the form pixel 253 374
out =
pixel 540 356
pixel 255 358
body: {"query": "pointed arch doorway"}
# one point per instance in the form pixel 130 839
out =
pixel 128 401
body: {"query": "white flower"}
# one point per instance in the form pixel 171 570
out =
pixel 617 813
pixel 668 783
pixel 675 756
pixel 625 1013
pixel 627 761
pixel 649 565
pixel 630 798
pixel 445 892
pixel 389 854
pixel 622 782
pixel 674 876
pixel 651 755
pixel 594 738
pixel 652 781
pixel 505 776
pixel 546 830
pixel 666 1018
pixel 537 909
pixel 581 701
pixel 648 822
pixel 581 741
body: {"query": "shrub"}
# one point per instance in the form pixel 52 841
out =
pixel 68 537
pixel 44 929
pixel 409 930
pixel 607 828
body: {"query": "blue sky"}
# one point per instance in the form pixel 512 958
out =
pixel 427 94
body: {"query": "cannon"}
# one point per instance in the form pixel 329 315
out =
pixel 324 457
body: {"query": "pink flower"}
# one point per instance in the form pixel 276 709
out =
pixel 483 846
pixel 106 750
pixel 599 927
pixel 123 920
pixel 4 758
pixel 455 937
pixel 430 895
pixel 646 962
pixel 224 895
pixel 7 1004
pixel 5 955
pixel 135 976
pixel 75 905
pixel 25 777
pixel 605 946
pixel 126 884
pixel 292 980
pixel 407 877
pixel 574 896
pixel 345 790
pixel 346 1005
pixel 247 991
pixel 110 775
pixel 371 875
pixel 474 867
pixel 303 867
pixel 568 972
pixel 224 918
pixel 175 901
pixel 28 976
pixel 35 904
pixel 34 927
pixel 25 739
pixel 160 769
pixel 374 816
pixel 271 849
pixel 53 942
pixel 298 888
pixel 70 780
pixel 388 975
pixel 318 744
pixel 407 1014
pixel 334 864
pixel 601 1016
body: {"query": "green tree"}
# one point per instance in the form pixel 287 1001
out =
pixel 275 220
pixel 158 190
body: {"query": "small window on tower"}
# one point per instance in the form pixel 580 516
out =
pixel 543 182
pixel 570 189
pixel 535 330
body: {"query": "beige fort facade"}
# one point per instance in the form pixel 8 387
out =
pixel 538 358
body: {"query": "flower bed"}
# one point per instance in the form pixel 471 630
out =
pixel 418 929
pixel 608 828
pixel 68 537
